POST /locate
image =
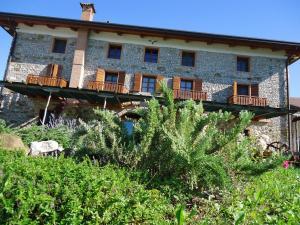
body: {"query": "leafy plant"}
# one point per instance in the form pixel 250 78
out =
pixel 49 191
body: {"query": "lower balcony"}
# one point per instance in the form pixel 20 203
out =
pixel 107 86
pixel 195 95
pixel 46 81
pixel 247 100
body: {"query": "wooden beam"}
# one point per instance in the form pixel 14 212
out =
pixel 51 26
pixel 74 28
pixel 29 24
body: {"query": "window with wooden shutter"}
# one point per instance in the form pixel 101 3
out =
pixel 159 80
pixel 235 88
pixel 176 83
pixel 54 70
pixel 137 82
pixel 197 85
pixel 121 79
pixel 100 75
pixel 254 90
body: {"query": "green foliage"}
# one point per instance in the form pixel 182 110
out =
pixel 49 191
pixel 4 128
pixel 180 140
pixel 272 198
pixel 61 134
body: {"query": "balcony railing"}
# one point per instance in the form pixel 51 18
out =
pixel 107 86
pixel 195 95
pixel 46 81
pixel 247 100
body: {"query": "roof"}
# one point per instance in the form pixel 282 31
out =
pixel 295 101
pixel 292 48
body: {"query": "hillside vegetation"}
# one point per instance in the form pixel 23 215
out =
pixel 179 165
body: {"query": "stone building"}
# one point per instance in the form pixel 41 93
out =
pixel 70 66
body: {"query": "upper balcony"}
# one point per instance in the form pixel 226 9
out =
pixel 52 78
pixel 107 86
pixel 195 95
pixel 46 81
pixel 247 100
pixel 246 94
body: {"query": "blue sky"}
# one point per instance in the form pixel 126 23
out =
pixel 271 19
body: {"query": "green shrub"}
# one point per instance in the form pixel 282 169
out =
pixel 4 128
pixel 48 191
pixel 61 134
pixel 181 141
pixel 273 198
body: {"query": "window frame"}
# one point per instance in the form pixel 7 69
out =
pixel 243 57
pixel 111 72
pixel 151 48
pixel 116 45
pixel 187 80
pixel 53 44
pixel 187 51
pixel 151 77
pixel 243 85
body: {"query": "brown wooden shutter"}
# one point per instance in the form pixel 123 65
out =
pixel 55 70
pixel 137 82
pixel 176 83
pixel 159 80
pixel 254 89
pixel 49 69
pixel 121 78
pixel 197 85
pixel 234 88
pixel 100 75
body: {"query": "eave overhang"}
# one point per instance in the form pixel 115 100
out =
pixel 292 49
pixel 95 97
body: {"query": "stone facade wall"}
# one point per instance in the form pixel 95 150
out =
pixel 218 70
pixel 32 54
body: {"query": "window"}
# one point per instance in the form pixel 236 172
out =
pixel 111 77
pixel 188 58
pixel 151 55
pixel 243 64
pixel 148 84
pixel 186 85
pixel 114 51
pixel 59 46
pixel 128 125
pixel 242 89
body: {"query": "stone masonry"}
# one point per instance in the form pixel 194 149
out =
pixel 217 70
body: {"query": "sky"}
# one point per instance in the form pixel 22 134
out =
pixel 270 19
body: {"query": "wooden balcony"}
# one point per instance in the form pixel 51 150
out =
pixel 195 95
pixel 107 86
pixel 46 81
pixel 247 100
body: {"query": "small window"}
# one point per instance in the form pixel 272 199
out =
pixel 59 46
pixel 114 51
pixel 243 64
pixel 151 55
pixel 111 77
pixel 242 89
pixel 186 85
pixel 128 125
pixel 148 84
pixel 188 59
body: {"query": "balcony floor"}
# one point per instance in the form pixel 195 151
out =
pixel 118 98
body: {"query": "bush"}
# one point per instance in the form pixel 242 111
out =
pixel 61 134
pixel 49 191
pixel 4 128
pixel 272 198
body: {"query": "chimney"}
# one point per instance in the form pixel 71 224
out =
pixel 88 11
pixel 76 80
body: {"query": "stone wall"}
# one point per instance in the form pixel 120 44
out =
pixel 218 70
